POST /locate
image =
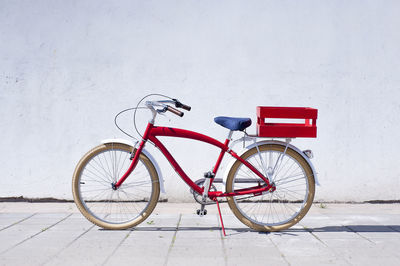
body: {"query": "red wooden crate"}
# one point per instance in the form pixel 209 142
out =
pixel 308 129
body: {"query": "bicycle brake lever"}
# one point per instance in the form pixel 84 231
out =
pixel 162 111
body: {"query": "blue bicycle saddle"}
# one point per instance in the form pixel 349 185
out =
pixel 233 123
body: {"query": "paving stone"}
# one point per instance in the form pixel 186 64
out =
pixel 93 248
pixel 44 246
pixel 27 229
pixel 317 259
pixel 143 248
pixel 7 220
pixel 358 252
pixel 258 251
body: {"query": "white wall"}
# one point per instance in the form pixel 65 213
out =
pixel 67 67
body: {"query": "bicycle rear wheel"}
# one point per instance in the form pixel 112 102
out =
pixel 288 204
pixel 124 207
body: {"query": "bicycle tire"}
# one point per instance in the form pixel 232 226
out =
pixel 125 207
pixel 289 205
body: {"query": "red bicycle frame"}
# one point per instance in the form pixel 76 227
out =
pixel 151 134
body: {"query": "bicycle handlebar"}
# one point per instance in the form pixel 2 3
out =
pixel 166 107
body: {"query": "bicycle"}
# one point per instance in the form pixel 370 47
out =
pixel 270 186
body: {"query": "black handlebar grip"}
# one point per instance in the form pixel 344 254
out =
pixel 173 110
pixel 178 104
pixel 186 107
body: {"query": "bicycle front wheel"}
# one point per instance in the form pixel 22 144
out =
pixel 95 197
pixel 288 204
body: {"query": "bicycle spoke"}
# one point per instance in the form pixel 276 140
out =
pixel 289 181
pixel 100 175
pixel 100 165
pixel 91 179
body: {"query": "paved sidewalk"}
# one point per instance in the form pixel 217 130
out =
pixel 57 234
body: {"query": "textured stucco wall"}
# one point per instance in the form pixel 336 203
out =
pixel 67 67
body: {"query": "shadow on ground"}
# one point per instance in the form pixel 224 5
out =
pixel 359 228
pixel 341 228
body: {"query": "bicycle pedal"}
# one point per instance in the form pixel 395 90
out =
pixel 201 212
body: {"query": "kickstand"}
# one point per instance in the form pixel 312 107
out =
pixel 220 217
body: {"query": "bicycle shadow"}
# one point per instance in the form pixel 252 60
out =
pixel 230 231
pixel 183 228
pixel 359 228
pixel 351 228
